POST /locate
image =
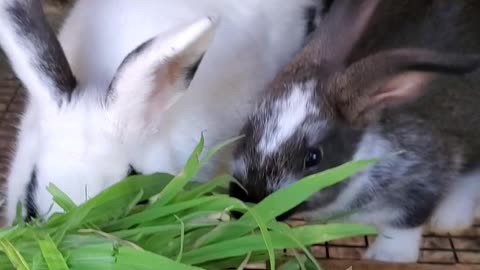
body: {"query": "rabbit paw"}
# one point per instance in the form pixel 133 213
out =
pixel 457 211
pixel 396 245
pixel 453 217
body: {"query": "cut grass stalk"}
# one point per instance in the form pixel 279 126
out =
pixel 184 225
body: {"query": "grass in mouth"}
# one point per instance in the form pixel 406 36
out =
pixel 182 226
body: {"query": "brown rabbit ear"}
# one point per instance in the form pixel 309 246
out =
pixel 392 78
pixel 340 31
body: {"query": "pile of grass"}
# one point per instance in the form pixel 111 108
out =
pixel 167 222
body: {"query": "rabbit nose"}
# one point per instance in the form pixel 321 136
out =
pixel 240 193
pixel 249 195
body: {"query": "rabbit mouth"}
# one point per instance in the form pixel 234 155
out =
pixel 282 218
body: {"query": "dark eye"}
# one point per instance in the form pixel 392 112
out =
pixel 313 157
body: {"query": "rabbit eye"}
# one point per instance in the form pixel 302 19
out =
pixel 313 157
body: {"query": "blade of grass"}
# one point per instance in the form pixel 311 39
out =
pixel 179 181
pixel 38 263
pixel 245 262
pixel 168 245
pixel 11 232
pixel 307 235
pixel 14 255
pixel 203 189
pixel 182 238
pixel 212 151
pixel 285 230
pixel 134 202
pixel 112 201
pixel 128 259
pixel 206 216
pixel 287 198
pixel 92 256
pixel 76 220
pixel 61 198
pixel 159 229
pixel 52 256
pixel 154 212
pixel 266 236
pixel 111 237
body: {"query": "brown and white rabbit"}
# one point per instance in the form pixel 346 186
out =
pixel 379 78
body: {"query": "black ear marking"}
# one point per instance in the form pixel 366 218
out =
pixel 327 4
pixel 30 205
pixel 310 15
pixel 313 12
pixel 192 70
pixel 34 31
pixel 132 171
pixel 129 58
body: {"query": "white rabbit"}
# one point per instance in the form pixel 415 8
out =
pixel 117 90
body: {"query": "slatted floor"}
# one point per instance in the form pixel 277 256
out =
pixel 439 249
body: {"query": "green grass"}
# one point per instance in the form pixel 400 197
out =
pixel 183 225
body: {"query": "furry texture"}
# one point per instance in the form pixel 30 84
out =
pixel 415 108
pixel 128 97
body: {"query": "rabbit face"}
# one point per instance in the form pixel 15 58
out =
pixel 318 111
pixel 288 137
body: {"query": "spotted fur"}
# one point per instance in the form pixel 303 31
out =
pixel 412 107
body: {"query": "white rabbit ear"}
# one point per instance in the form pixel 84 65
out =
pixel 158 72
pixel 34 51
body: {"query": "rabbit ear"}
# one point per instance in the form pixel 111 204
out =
pixel 392 78
pixel 157 73
pixel 34 51
pixel 341 29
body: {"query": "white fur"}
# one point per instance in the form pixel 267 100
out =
pixel 81 147
pixel 289 112
pixel 395 245
pixel 457 212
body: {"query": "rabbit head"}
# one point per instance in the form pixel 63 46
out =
pixel 314 114
pixel 72 134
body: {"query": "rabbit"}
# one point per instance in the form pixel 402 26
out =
pixel 129 88
pixel 386 88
